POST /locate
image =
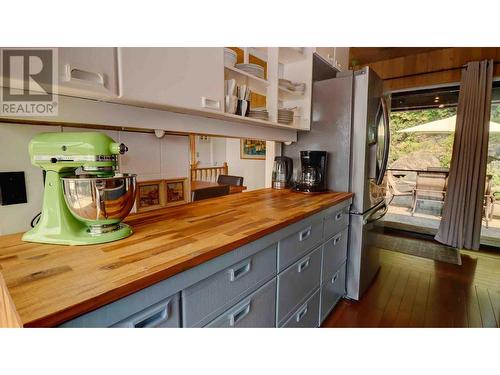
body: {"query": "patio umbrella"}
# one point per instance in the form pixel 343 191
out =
pixel 443 126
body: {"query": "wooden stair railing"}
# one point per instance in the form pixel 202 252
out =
pixel 209 174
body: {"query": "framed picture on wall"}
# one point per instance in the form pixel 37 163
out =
pixel 150 195
pixel 252 149
pixel 176 191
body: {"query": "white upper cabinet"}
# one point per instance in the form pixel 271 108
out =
pixel 341 58
pixel 88 72
pixel 338 57
pixel 327 53
pixel 180 77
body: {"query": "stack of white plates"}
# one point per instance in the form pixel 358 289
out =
pixel 253 69
pixel 229 57
pixel 261 114
pixel 285 116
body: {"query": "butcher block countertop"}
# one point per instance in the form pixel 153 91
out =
pixel 50 284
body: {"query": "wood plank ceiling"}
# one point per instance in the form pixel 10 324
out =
pixel 366 55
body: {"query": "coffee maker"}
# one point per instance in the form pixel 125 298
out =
pixel 282 172
pixel 312 174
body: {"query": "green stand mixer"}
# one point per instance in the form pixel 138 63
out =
pixel 87 208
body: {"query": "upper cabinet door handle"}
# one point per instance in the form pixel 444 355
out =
pixel 73 73
pixel 338 216
pixel 304 235
pixel 210 103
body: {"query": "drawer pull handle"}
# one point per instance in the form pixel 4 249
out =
pixel 336 239
pixel 335 277
pixel 240 271
pixel 338 216
pixel 303 265
pixel 237 316
pixel 304 235
pixel 152 317
pixel 301 314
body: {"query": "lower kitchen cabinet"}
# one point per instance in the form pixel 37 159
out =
pixel 257 310
pixel 205 300
pixel 332 290
pixel 164 314
pixel 290 278
pixel 296 283
pixel 307 315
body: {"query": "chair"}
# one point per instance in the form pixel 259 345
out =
pixel 398 188
pixel 225 179
pixel 209 192
pixel 488 201
pixel 429 187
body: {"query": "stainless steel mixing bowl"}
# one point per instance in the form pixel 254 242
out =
pixel 100 201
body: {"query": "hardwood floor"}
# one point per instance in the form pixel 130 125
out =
pixel 411 291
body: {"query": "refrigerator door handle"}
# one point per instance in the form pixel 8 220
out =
pixel 373 217
pixel 387 140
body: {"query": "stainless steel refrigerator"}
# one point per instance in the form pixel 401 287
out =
pixel 350 120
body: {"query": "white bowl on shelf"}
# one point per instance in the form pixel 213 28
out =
pixel 230 57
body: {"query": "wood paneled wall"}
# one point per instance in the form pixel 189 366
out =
pixel 431 68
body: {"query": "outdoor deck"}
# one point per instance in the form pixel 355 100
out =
pixel 399 217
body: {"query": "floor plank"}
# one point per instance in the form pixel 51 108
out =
pixel 406 306
pixel 487 313
pixel 416 292
pixel 417 317
pixel 495 303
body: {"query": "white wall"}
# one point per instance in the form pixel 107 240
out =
pixel 203 151
pixel 253 171
pixel 148 157
pixel 14 157
pixel 218 151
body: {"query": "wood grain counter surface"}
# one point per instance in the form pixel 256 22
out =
pixel 50 284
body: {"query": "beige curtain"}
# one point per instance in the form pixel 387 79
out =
pixel 461 222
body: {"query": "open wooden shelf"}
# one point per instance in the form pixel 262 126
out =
pixel 289 94
pixel 248 75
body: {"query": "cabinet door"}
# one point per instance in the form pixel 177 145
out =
pixel 327 53
pixel 88 72
pixel 341 58
pixel 180 77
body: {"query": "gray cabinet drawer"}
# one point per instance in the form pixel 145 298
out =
pixel 332 290
pixel 297 282
pixel 307 315
pixel 336 221
pixel 334 253
pixel 257 310
pixel 207 299
pixel 163 314
pixel 299 243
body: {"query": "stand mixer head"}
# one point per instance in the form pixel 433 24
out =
pixel 86 208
